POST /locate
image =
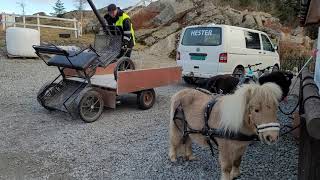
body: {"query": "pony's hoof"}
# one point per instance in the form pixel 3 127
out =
pixel 173 159
pixel 235 174
pixel 191 158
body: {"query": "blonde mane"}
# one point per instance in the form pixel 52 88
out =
pixel 233 107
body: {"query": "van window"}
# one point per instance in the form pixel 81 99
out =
pixel 267 45
pixel 252 40
pixel 202 36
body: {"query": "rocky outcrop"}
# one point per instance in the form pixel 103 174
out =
pixel 170 16
pixel 158 25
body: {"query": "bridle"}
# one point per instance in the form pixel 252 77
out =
pixel 268 127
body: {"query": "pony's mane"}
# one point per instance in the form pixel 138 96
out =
pixel 233 106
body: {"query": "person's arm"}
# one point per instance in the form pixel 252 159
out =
pixel 110 24
pixel 108 19
pixel 126 31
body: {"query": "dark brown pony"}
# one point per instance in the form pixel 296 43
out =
pixel 227 84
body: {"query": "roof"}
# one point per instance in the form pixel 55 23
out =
pixel 224 25
pixel 309 12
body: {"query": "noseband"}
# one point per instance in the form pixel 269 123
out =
pixel 268 127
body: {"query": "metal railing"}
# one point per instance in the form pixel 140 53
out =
pixel 10 20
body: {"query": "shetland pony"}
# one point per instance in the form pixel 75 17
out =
pixel 250 108
pixel 227 84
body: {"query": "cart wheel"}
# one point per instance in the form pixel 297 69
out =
pixel 146 99
pixel 123 64
pixel 47 91
pixel 90 105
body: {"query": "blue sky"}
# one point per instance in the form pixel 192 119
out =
pixel 34 6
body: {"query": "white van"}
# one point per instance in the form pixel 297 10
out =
pixel 206 51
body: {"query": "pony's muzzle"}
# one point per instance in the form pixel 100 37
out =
pixel 269 133
pixel 270 137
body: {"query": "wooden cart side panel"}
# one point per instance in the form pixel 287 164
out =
pixel 109 97
pixel 133 81
pixel 108 70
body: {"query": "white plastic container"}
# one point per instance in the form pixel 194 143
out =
pixel 20 41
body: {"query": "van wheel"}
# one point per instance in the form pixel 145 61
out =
pixel 188 80
pixel 238 72
pixel 275 68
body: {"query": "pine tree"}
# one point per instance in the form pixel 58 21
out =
pixel 58 8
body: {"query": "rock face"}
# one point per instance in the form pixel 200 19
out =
pixel 168 17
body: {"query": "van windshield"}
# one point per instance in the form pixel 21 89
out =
pixel 202 36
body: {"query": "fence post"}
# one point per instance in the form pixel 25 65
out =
pixel 38 22
pixel 4 21
pixel 14 20
pixel 75 27
pixel 24 21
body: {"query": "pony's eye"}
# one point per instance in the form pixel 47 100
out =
pixel 256 110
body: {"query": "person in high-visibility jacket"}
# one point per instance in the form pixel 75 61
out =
pixel 119 18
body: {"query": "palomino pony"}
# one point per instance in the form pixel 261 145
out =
pixel 250 112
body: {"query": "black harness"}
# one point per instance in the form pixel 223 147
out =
pixel 209 133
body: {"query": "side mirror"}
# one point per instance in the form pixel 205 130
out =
pixel 275 48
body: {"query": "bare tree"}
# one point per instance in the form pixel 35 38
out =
pixel 80 6
pixel 22 5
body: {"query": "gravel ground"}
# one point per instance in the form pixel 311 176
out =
pixel 125 143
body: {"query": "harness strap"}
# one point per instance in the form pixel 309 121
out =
pixel 233 136
pixel 206 129
pixel 179 114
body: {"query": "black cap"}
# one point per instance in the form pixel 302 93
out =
pixel 112 7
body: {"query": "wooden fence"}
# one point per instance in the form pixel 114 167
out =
pixel 10 20
pixel 309 143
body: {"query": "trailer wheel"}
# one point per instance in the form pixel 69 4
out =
pixel 123 64
pixel 47 91
pixel 90 105
pixel 146 99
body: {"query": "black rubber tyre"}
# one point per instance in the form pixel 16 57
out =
pixel 47 91
pixel 189 80
pixel 146 99
pixel 89 105
pixel 123 64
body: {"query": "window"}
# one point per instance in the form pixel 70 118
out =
pixel 252 40
pixel 202 36
pixel 267 46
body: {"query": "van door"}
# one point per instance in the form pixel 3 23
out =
pixel 270 56
pixel 199 51
pixel 253 49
